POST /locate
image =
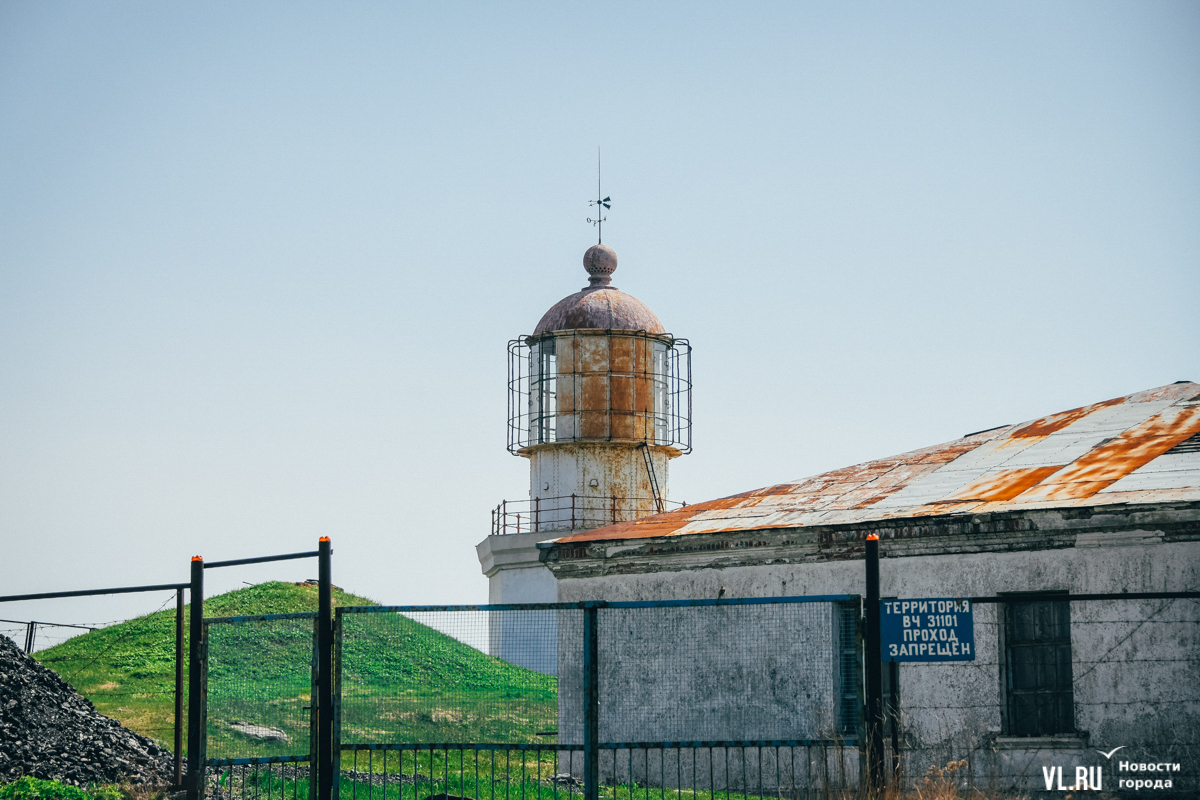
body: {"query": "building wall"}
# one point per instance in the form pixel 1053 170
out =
pixel 694 673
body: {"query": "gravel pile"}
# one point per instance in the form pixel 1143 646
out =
pixel 50 732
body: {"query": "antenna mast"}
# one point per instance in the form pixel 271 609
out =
pixel 601 203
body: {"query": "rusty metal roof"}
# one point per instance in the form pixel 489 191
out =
pixel 1143 448
pixel 599 305
pixel 605 308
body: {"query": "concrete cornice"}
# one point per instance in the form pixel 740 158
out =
pixel 1040 529
pixel 510 551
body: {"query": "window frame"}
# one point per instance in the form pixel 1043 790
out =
pixel 1008 692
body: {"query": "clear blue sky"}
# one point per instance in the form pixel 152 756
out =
pixel 259 261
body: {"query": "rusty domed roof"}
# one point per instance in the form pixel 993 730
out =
pixel 600 305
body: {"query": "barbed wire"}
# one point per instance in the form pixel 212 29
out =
pixel 135 625
pixel 1122 641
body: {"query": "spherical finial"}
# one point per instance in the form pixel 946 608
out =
pixel 600 261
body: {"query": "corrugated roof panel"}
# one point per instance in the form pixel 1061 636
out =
pixel 1170 461
pixel 938 485
pixel 1117 451
pixel 1111 460
pixel 1005 484
pixel 1114 419
pixel 1148 481
pixel 1060 449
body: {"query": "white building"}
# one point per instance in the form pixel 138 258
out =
pixel 1096 500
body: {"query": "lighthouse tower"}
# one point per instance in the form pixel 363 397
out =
pixel 599 402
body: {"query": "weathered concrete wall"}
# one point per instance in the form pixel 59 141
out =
pixel 710 673
pixel 1136 664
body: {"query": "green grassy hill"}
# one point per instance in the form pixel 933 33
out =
pixel 403 681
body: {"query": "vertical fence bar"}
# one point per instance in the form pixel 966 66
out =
pixel 874 668
pixel 195 776
pixel 324 754
pixel 179 687
pixel 894 713
pixel 337 709
pixel 314 706
pixel 591 702
pixel 30 634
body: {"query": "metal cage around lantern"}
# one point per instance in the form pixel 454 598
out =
pixel 597 386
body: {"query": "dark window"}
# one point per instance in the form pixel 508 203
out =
pixel 1037 643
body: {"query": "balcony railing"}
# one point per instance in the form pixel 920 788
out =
pixel 571 512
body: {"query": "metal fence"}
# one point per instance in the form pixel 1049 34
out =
pixel 570 512
pixel 745 697
pixel 146 650
pixel 740 697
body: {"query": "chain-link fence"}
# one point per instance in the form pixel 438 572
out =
pixel 712 672
pixel 258 706
pixel 259 686
pixel 426 677
pixel 450 701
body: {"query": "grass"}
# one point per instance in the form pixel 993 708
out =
pixel 28 788
pixel 403 681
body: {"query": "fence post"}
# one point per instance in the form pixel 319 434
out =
pixel 179 687
pixel 591 702
pixel 325 776
pixel 30 634
pixel 874 668
pixel 195 773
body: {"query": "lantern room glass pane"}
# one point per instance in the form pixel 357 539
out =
pixel 662 398
pixel 543 394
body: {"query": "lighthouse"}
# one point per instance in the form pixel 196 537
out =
pixel 599 402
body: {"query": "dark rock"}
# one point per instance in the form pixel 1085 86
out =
pixel 74 744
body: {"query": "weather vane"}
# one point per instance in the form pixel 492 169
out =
pixel 600 203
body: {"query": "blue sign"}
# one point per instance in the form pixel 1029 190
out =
pixel 928 629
